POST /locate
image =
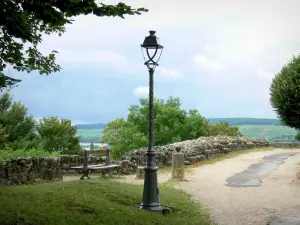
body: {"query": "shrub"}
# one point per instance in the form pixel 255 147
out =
pixel 285 95
pixel 22 153
pixel 298 136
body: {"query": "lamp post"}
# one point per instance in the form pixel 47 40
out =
pixel 151 191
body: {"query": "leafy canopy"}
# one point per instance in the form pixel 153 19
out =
pixel 172 124
pixel 24 22
pixel 222 128
pixel 58 135
pixel 285 93
pixel 17 129
pixel 298 136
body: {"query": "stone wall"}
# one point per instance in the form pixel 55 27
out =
pixel 285 144
pixel 195 150
pixel 24 170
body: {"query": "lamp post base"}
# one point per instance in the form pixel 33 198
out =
pixel 153 208
pixel 151 191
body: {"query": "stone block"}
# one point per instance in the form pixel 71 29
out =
pixel 178 166
pixel 140 172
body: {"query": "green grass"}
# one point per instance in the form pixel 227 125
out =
pixel 97 201
pixel 266 131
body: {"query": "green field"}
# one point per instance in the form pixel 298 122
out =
pixel 268 132
pixel 90 135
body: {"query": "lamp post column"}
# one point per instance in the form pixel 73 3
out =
pixel 151 191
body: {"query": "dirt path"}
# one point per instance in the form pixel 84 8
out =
pixel 276 197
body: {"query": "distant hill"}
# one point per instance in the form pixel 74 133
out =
pixel 245 121
pixel 231 121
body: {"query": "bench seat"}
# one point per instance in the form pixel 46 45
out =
pixel 80 167
pixel 102 167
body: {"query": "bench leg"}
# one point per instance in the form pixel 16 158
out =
pixel 85 174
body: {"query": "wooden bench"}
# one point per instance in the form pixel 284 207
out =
pixel 86 169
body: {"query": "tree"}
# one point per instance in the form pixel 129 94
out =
pixel 194 126
pixel 58 135
pixel 24 22
pixel 111 133
pixel 298 136
pixel 129 138
pixel 17 129
pixel 285 93
pixel 172 124
pixel 221 128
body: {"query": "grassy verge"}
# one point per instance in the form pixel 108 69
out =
pixel 97 201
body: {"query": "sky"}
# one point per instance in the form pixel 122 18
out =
pixel 219 57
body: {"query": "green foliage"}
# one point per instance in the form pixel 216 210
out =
pixel 96 201
pixel 17 129
pixel 129 138
pixel 59 135
pixel 23 24
pixel 20 132
pixel 222 128
pixel 297 137
pixel 22 153
pixel 172 124
pixel 111 133
pixel 285 93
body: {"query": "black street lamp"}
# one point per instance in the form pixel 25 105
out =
pixel 151 191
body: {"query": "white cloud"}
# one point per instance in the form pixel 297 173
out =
pixel 205 63
pixel 208 48
pixel 265 74
pixel 141 91
pixel 170 73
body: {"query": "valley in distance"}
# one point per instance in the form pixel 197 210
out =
pixel 268 129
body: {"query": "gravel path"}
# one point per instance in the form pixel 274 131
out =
pixel 278 195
